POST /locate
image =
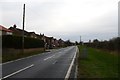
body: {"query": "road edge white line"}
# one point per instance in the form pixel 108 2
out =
pixel 17 71
pixel 70 67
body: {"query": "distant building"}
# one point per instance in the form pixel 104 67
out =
pixel 5 31
pixel 50 42
pixel 42 37
pixel 47 42
pixel 56 44
pixel 61 43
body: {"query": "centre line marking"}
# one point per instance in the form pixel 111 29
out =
pixel 60 52
pixel 17 71
pixel 55 62
pixel 48 57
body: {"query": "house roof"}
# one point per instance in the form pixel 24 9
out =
pixel 2 28
pixel 19 31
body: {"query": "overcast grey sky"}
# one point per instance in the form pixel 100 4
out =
pixel 66 19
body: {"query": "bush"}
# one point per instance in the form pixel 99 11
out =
pixel 9 41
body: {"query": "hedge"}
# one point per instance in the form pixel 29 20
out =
pixel 10 41
pixel 112 44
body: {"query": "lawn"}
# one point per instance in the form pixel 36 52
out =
pixel 97 64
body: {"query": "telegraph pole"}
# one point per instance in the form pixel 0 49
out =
pixel 80 39
pixel 23 28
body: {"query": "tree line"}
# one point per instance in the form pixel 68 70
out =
pixel 111 45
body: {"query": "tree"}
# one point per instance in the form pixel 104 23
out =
pixel 68 43
pixel 96 43
pixel 95 40
pixel 76 43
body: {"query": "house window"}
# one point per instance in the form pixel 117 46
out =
pixel 8 33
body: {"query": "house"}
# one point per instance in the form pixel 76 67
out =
pixel 61 43
pixel 32 35
pixel 5 31
pixel 56 43
pixel 42 37
pixel 49 42
pixel 18 32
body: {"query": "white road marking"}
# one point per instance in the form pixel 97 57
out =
pixel 70 67
pixel 48 57
pixel 55 62
pixel 60 52
pixel 68 49
pixel 65 50
pixel 17 71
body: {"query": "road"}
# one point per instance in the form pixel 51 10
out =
pixel 54 64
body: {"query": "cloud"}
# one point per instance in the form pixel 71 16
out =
pixel 64 18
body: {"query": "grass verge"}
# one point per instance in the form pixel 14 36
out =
pixel 97 64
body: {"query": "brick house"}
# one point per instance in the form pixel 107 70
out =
pixel 49 42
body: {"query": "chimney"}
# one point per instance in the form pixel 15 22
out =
pixel 14 26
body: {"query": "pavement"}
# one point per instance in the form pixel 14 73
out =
pixel 53 64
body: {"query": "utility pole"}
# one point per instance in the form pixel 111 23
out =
pixel 80 39
pixel 119 19
pixel 23 28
